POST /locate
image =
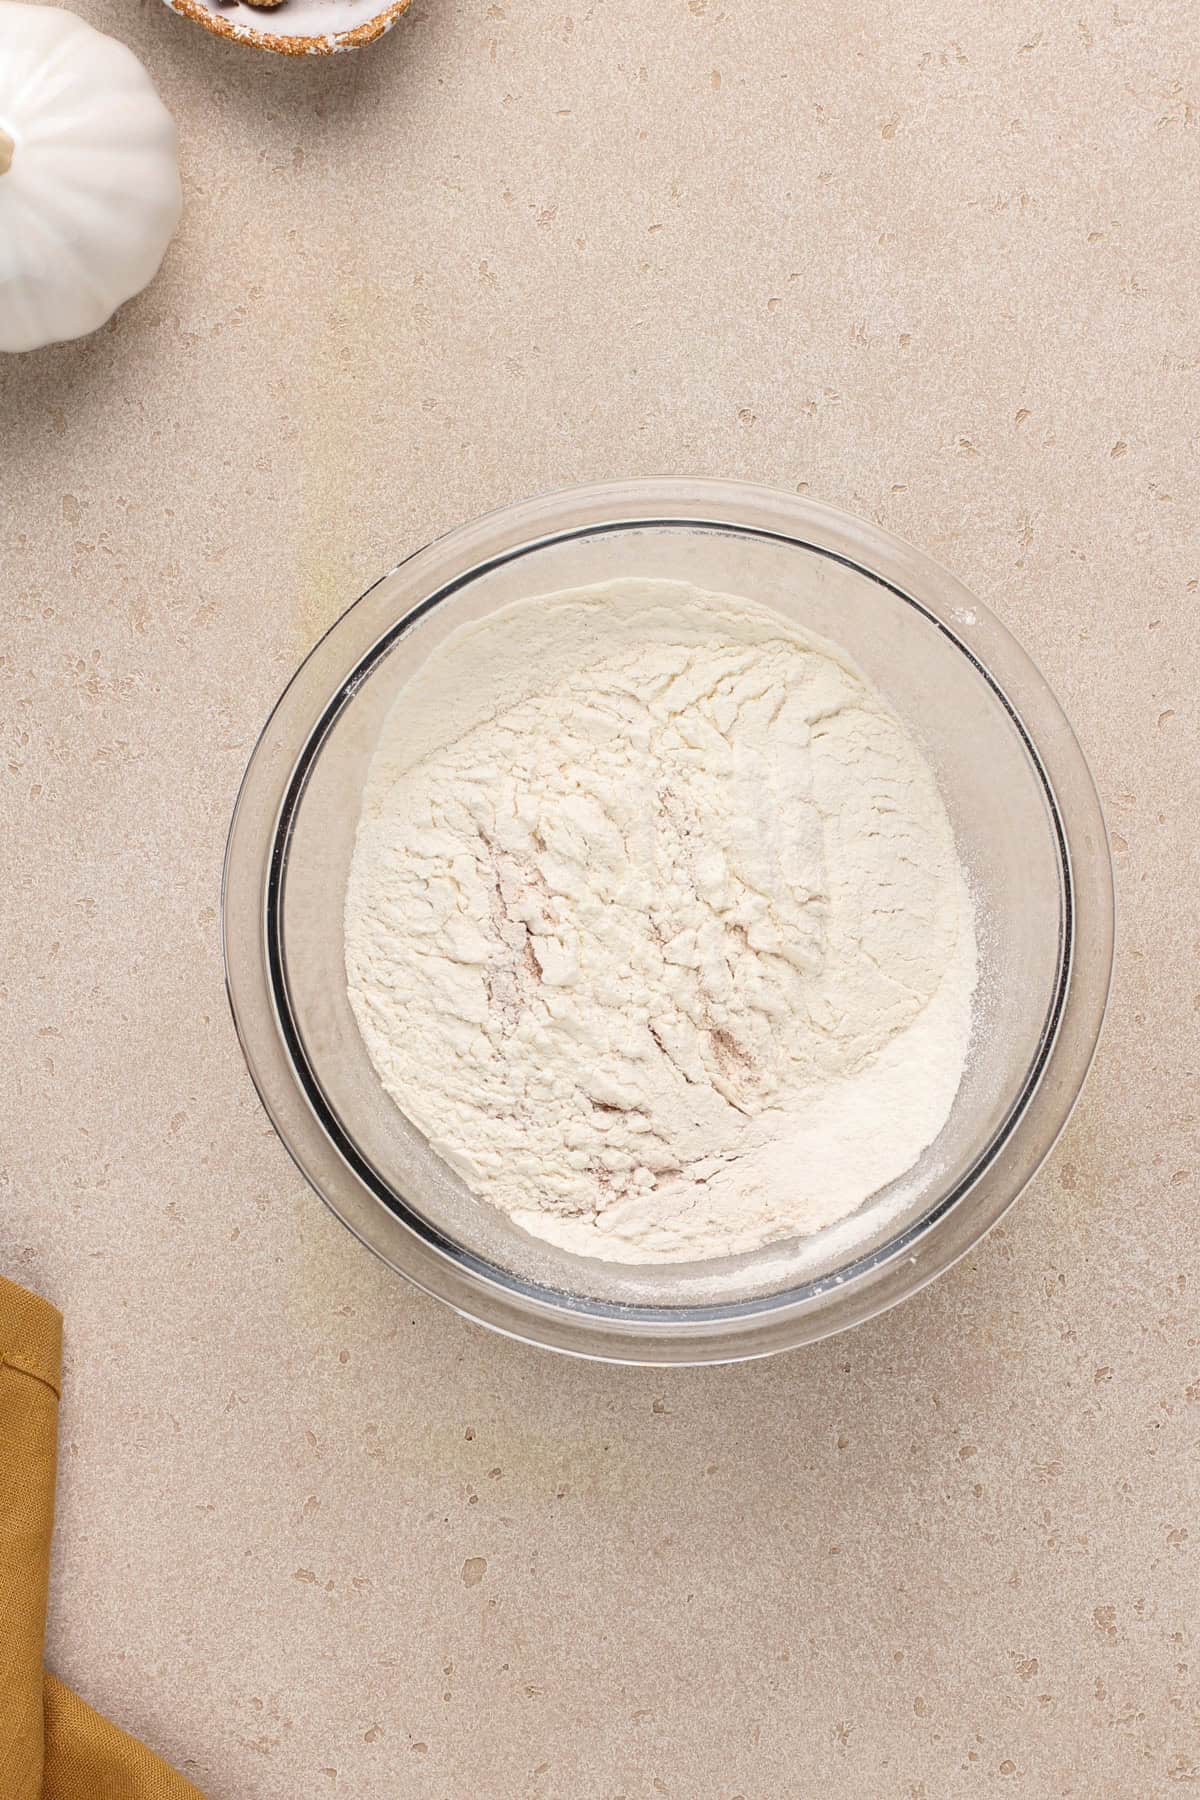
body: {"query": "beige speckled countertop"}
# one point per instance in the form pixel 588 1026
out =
pixel 933 261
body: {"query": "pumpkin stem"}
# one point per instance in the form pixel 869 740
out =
pixel 6 151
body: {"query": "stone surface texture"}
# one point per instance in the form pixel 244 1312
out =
pixel 933 261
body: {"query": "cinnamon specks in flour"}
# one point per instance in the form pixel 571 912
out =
pixel 656 926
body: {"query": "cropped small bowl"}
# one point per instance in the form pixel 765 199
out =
pixel 292 28
pixel 1029 829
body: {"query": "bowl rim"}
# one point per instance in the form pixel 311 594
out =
pixel 325 43
pixel 255 967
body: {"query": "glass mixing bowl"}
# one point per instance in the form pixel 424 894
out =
pixel 1030 833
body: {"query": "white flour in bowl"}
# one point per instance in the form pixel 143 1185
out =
pixel 655 924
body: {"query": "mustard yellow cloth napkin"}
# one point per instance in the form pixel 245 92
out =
pixel 52 1745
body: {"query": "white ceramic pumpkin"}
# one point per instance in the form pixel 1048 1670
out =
pixel 89 181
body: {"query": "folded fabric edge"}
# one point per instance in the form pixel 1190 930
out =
pixel 30 1334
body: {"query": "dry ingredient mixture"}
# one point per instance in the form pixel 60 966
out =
pixel 655 925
